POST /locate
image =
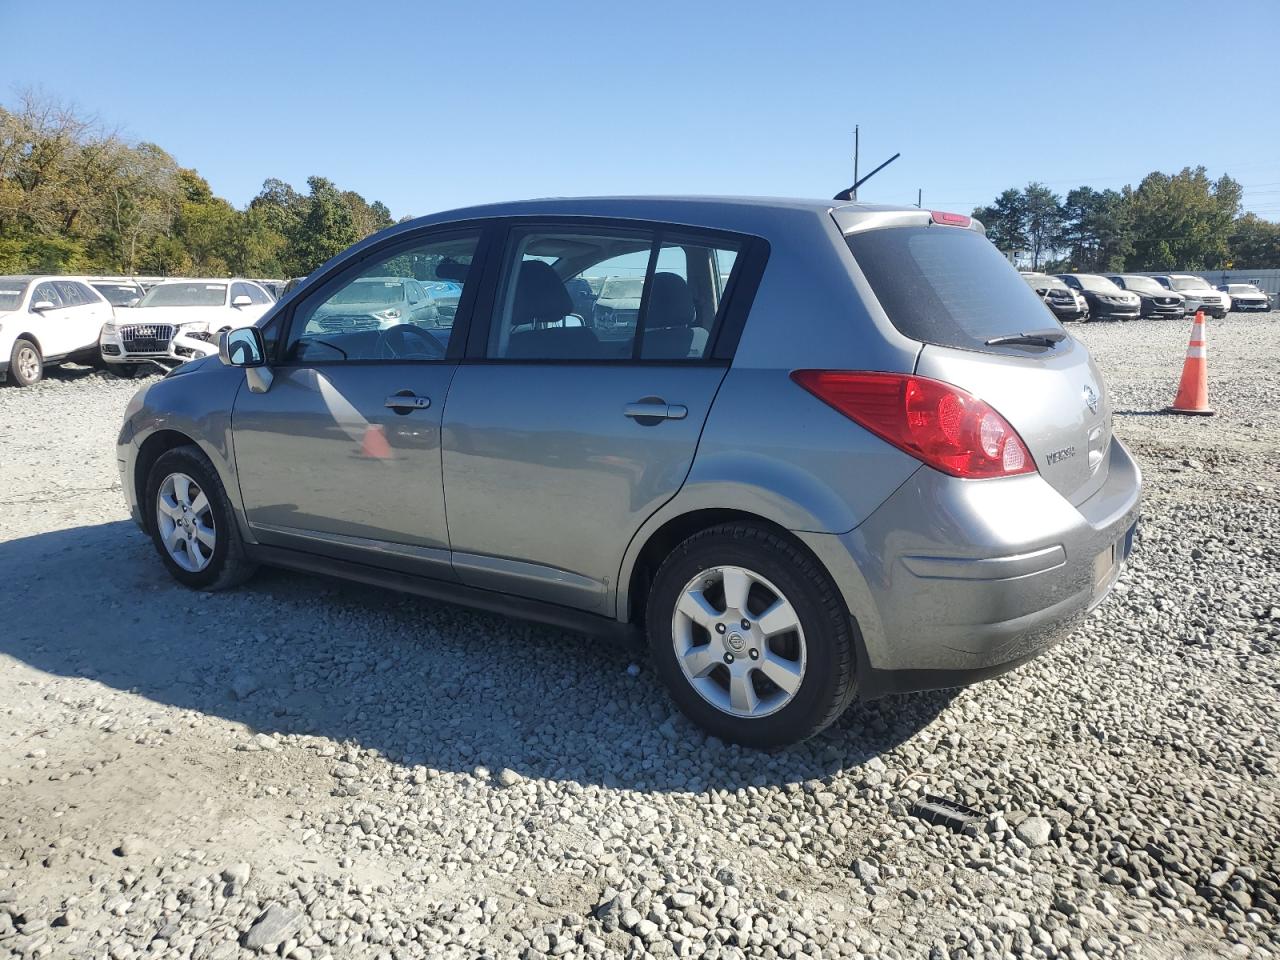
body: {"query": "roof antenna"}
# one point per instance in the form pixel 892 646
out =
pixel 851 193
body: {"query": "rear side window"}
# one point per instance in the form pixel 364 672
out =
pixel 947 286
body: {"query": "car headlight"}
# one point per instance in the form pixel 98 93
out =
pixel 110 327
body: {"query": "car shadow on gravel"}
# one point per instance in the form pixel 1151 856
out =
pixel 418 682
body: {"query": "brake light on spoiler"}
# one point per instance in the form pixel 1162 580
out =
pixel 950 219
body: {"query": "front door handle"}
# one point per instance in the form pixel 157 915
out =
pixel 406 402
pixel 653 409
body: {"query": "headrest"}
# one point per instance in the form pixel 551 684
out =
pixel 670 302
pixel 540 295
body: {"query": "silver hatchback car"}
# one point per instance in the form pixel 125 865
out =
pixel 841 450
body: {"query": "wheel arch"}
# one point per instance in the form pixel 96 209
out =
pixel 647 554
pixel 151 449
pixel 27 336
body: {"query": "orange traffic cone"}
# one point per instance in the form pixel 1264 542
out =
pixel 1193 390
pixel 375 446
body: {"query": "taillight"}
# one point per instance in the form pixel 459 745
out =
pixel 950 219
pixel 949 429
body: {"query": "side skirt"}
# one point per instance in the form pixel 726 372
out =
pixel 521 607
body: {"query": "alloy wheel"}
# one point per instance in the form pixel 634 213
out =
pixel 184 518
pixel 28 363
pixel 739 642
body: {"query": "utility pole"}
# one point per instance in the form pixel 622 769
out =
pixel 854 188
pixel 851 193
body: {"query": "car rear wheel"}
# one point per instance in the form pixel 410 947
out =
pixel 26 365
pixel 192 523
pixel 751 636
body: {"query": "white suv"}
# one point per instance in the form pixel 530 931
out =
pixel 177 321
pixel 46 320
pixel 1197 293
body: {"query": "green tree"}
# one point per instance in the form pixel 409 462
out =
pixel 1006 221
pixel 1097 230
pixel 1254 243
pixel 1183 221
pixel 1043 220
pixel 325 228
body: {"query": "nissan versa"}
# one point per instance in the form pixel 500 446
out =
pixel 842 450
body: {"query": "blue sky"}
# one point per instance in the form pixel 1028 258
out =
pixel 427 106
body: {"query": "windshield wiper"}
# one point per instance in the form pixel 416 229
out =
pixel 1040 338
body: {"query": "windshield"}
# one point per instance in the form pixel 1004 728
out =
pixel 186 295
pixel 1189 283
pixel 11 292
pixel 1143 284
pixel 118 294
pixel 371 291
pixel 1042 281
pixel 622 288
pixel 948 286
pixel 1096 284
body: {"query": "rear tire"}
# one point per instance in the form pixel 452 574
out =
pixel 26 365
pixel 719 656
pixel 190 559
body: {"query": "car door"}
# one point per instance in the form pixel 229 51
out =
pixel 88 311
pixel 341 455
pixel 56 326
pixel 561 436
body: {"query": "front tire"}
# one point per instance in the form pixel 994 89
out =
pixel 751 637
pixel 192 523
pixel 26 365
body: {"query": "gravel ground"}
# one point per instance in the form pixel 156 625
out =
pixel 307 769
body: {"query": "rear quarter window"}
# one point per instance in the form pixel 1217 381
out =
pixel 947 286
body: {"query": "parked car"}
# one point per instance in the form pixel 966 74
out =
pixel 176 320
pixel 614 313
pixel 1106 300
pixel 1245 296
pixel 1157 302
pixel 804 487
pixel 1197 293
pixel 45 321
pixel 1066 304
pixel 378 303
pixel 118 291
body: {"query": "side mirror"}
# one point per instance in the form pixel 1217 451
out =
pixel 242 347
pixel 40 306
pixel 241 301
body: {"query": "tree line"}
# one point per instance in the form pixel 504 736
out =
pixel 78 198
pixel 1180 221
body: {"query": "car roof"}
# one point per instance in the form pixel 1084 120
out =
pixel 699 211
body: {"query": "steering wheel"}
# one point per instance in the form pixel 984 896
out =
pixel 405 341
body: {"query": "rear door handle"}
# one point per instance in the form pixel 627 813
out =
pixel 405 401
pixel 653 409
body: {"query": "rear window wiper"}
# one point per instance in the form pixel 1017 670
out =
pixel 1040 338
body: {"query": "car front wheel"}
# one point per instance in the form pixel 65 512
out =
pixel 192 523
pixel 751 636
pixel 26 365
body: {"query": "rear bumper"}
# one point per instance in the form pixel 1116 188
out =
pixel 952 581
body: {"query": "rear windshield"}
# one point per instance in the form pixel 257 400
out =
pixel 947 286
